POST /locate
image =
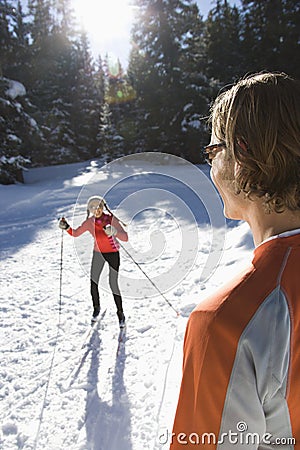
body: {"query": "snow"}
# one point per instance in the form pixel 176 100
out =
pixel 16 89
pixel 13 137
pixel 61 389
pixel 16 160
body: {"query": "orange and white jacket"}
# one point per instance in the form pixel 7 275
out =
pixel 241 370
pixel 102 242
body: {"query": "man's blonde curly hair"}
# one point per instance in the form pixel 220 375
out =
pixel 259 120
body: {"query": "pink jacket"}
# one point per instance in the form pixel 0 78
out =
pixel 102 242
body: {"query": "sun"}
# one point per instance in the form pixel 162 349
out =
pixel 107 22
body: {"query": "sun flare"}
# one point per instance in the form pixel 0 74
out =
pixel 105 20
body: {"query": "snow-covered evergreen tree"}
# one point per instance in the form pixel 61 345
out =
pixel 271 35
pixel 120 96
pixel 6 37
pixel 111 141
pixel 21 140
pixel 88 97
pixel 164 51
pixel 223 43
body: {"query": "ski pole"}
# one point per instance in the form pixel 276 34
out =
pixel 109 210
pixel 137 264
pixel 41 416
pixel 61 269
pixel 148 278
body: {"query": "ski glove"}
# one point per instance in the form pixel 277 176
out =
pixel 110 230
pixel 63 224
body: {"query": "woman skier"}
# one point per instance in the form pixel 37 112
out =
pixel 104 228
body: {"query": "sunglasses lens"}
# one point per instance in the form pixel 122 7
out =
pixel 211 150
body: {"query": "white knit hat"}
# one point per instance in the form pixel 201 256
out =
pixel 94 202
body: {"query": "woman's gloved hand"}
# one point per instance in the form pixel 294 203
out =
pixel 110 230
pixel 63 224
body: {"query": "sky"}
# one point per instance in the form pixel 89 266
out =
pixel 108 23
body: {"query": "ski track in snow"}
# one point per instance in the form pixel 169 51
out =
pixel 57 393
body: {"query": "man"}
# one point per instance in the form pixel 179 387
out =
pixel 241 370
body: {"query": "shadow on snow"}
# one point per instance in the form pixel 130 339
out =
pixel 108 426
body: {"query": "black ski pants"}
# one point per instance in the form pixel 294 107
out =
pixel 98 261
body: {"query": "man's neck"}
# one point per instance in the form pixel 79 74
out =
pixel 264 226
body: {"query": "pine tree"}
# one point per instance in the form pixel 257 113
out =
pixel 20 137
pixel 6 37
pixel 42 24
pixel 19 67
pixel 42 52
pixel 87 100
pixel 198 89
pixel 54 78
pixel 120 96
pixel 223 43
pixel 65 17
pixel 111 141
pixel 290 45
pixel 271 35
pixel 57 111
pixel 163 70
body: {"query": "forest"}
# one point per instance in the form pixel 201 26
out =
pixel 59 104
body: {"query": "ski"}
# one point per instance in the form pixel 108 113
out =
pixel 82 355
pixel 121 338
pixel 92 328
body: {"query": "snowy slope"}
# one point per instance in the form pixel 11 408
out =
pixel 54 393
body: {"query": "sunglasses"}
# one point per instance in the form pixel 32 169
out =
pixel 211 150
